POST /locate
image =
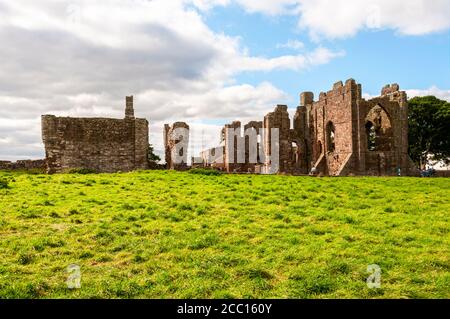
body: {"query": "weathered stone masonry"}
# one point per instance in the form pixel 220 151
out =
pixel 174 143
pixel 22 165
pixel 339 134
pixel 345 134
pixel 100 144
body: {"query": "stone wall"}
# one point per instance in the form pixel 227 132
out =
pixel 22 165
pixel 339 134
pixel 213 157
pixel 172 137
pixel 328 125
pixel 100 144
pixel 291 145
pixel 233 135
pixel 443 173
pixel 351 135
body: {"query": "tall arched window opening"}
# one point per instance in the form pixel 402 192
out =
pixel 331 146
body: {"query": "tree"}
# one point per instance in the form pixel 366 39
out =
pixel 152 157
pixel 429 130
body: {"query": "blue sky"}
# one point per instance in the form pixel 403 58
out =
pixel 372 57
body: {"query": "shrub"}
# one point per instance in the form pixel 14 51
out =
pixel 203 171
pixel 4 184
pixel 25 258
pixel 82 171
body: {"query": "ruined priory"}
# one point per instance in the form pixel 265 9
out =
pixel 338 134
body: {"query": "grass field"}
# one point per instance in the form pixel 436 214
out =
pixel 161 234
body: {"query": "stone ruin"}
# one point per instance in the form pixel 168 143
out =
pixel 345 134
pixel 339 134
pixel 25 165
pixel 176 141
pixel 99 144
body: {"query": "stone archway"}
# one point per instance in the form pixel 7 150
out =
pixel 299 154
pixel 378 128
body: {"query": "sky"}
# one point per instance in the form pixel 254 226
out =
pixel 206 62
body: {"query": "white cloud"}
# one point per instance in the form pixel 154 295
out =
pixel 206 5
pixel 227 103
pixel 439 93
pixel 344 18
pixel 433 90
pixel 270 7
pixel 291 44
pixel 288 62
pixel 80 58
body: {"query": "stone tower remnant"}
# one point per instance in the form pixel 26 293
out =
pixel 176 143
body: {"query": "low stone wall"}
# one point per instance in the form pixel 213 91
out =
pixel 22 165
pixel 443 173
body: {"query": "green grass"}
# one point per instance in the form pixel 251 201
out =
pixel 161 234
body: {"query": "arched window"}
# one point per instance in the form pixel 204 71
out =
pixel 371 134
pixel 330 137
pixel 294 152
pixel 379 133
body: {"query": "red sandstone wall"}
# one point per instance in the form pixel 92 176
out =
pixel 335 106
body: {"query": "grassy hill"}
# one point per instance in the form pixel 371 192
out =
pixel 161 234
